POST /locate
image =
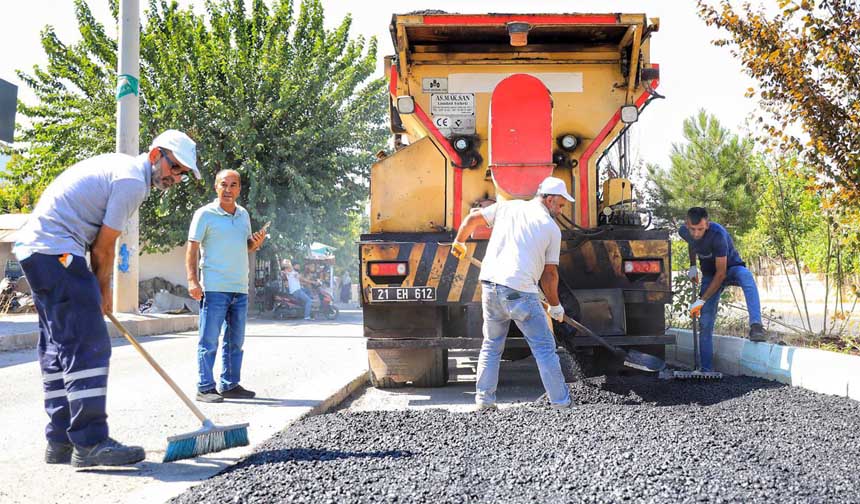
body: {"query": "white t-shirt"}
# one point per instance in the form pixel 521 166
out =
pixel 293 283
pixel 525 238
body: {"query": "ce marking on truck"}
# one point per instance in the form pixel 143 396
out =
pixel 442 122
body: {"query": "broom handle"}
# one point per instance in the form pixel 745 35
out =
pixel 199 414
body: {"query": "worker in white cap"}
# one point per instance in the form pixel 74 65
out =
pixel 522 254
pixel 86 208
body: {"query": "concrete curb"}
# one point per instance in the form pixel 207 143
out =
pixel 335 399
pixel 137 325
pixel 817 370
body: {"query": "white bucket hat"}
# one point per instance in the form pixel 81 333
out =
pixel 182 147
pixel 555 186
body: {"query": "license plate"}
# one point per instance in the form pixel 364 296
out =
pixel 384 294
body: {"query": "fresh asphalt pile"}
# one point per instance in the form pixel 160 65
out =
pixel 631 439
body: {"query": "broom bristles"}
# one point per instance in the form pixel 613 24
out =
pixel 206 440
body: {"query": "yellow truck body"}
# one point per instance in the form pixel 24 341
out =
pixel 482 107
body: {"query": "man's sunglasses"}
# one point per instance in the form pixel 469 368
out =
pixel 175 168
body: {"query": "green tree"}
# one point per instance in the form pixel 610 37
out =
pixel 806 60
pixel 276 96
pixel 713 168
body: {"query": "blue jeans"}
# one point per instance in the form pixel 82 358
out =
pixel 501 305
pixel 303 296
pixel 739 276
pixel 221 312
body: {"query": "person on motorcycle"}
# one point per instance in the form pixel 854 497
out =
pixel 294 282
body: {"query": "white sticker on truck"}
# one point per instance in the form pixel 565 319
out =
pixel 452 104
pixel 556 82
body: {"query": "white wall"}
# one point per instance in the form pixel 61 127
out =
pixel 169 266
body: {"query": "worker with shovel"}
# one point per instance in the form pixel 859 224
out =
pixel 522 252
pixel 721 266
pixel 87 207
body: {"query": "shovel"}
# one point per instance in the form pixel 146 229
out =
pixel 632 358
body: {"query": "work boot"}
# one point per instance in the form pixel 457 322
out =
pixel 58 453
pixel 757 333
pixel 209 396
pixel 238 392
pixel 107 453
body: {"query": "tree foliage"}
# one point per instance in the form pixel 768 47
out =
pixel 713 168
pixel 265 91
pixel 806 60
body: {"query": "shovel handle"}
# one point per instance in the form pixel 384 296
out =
pixel 131 339
pixel 567 320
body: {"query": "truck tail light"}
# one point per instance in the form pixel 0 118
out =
pixel 643 267
pixel 388 269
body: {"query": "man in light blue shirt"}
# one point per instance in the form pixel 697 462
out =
pixel 86 208
pixel 221 235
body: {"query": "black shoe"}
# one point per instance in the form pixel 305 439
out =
pixel 210 396
pixel 107 453
pixel 757 333
pixel 238 392
pixel 58 453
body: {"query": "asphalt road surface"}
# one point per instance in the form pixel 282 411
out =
pixel 292 365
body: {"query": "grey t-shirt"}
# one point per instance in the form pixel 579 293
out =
pixel 102 190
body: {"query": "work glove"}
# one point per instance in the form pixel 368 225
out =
pixel 696 308
pixel 556 312
pixel 693 274
pixel 458 249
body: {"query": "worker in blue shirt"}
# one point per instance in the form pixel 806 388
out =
pixel 86 208
pixel 721 266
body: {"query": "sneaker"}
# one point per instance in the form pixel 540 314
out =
pixel 209 396
pixel 308 318
pixel 569 405
pixel 238 392
pixel 58 453
pixel 107 453
pixel 486 407
pixel 757 333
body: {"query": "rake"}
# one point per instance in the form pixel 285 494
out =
pixel 697 373
pixel 208 439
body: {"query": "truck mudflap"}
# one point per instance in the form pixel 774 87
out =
pixel 432 275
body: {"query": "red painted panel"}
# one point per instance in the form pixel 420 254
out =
pixel 502 19
pixel 520 135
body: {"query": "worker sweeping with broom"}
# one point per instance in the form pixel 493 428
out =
pixel 87 207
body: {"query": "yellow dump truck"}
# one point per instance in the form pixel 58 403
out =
pixel 484 107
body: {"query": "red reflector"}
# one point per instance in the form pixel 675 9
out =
pixel 388 269
pixel 642 266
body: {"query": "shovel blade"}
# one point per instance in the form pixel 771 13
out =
pixel 644 362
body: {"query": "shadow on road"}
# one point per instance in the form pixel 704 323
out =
pixel 312 455
pixel 651 391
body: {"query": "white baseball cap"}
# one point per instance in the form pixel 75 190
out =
pixel 181 145
pixel 555 186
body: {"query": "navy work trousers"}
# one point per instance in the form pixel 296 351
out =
pixel 74 347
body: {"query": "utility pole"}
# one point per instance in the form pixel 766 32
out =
pixel 126 270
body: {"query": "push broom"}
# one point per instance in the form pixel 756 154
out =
pixel 210 438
